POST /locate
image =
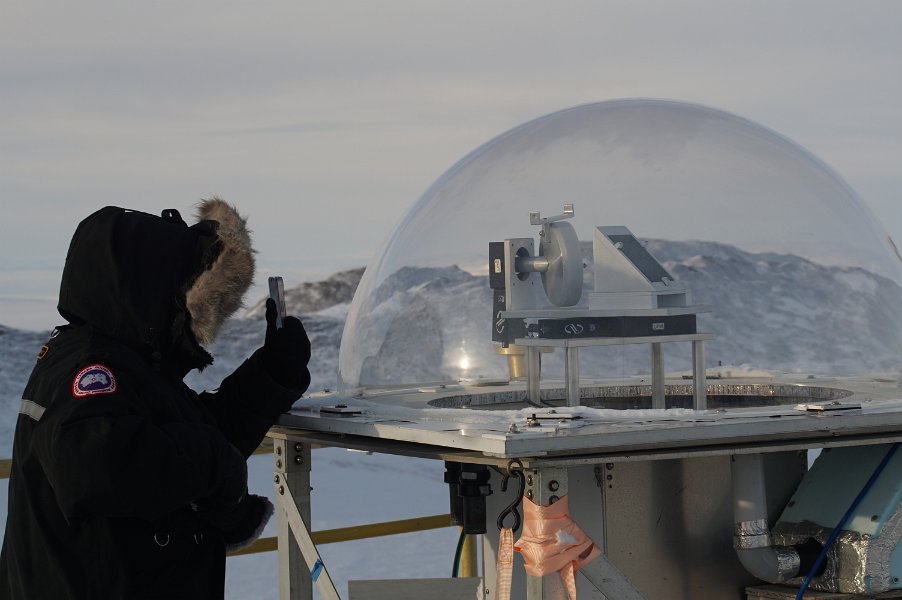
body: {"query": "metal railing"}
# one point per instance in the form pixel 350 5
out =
pixel 358 532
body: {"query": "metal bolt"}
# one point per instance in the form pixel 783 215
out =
pixel 609 466
pixel 895 580
pixel 553 486
pixel 279 450
pixel 298 459
pixel 276 479
pixel 278 463
pixel 874 518
pixel 609 477
pixel 529 494
pixel 281 490
pixel 487 592
pixel 529 480
pixel 553 499
pixel 298 447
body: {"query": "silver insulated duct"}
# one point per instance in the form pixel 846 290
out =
pixel 751 533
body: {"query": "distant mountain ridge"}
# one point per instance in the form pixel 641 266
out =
pixel 309 297
pixel 771 311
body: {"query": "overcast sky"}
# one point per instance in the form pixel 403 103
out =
pixel 324 121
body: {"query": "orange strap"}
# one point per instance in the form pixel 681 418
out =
pixel 553 542
pixel 505 568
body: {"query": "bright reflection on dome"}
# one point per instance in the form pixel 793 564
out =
pixel 800 276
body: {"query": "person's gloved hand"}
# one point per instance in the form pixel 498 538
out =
pixel 241 523
pixel 286 351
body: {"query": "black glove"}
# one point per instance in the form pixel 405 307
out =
pixel 241 523
pixel 286 351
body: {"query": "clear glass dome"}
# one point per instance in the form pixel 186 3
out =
pixel 800 276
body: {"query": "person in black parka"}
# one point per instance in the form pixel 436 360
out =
pixel 125 483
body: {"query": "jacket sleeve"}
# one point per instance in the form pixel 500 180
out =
pixel 247 404
pixel 103 457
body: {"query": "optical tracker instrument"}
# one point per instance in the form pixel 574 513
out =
pixel 635 300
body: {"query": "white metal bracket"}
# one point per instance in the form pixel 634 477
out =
pixel 292 482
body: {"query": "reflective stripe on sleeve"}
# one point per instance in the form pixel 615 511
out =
pixel 31 409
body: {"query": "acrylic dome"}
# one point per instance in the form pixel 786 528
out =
pixel 800 276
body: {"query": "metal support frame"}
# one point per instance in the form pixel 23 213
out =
pixel 657 376
pixel 571 366
pixel 292 482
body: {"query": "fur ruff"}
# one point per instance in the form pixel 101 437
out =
pixel 268 510
pixel 219 291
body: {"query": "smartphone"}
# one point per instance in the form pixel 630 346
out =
pixel 277 293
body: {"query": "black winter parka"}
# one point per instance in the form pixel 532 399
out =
pixel 111 448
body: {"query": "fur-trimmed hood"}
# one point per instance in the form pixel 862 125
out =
pixel 218 292
pixel 154 282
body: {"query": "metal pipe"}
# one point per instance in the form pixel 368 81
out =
pixel 751 532
pixel 468 562
pixel 530 264
pixel 357 532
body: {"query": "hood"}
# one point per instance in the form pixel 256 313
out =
pixel 155 283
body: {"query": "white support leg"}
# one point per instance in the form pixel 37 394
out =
pixel 571 371
pixel 292 474
pixel 698 375
pixel 657 376
pixel 533 375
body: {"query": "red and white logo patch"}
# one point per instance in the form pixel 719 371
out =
pixel 96 379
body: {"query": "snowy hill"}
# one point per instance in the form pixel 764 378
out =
pixel 312 297
pixel 772 312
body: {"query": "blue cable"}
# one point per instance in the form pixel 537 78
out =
pixel 842 522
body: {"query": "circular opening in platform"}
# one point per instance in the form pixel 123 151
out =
pixel 799 276
pixel 624 397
